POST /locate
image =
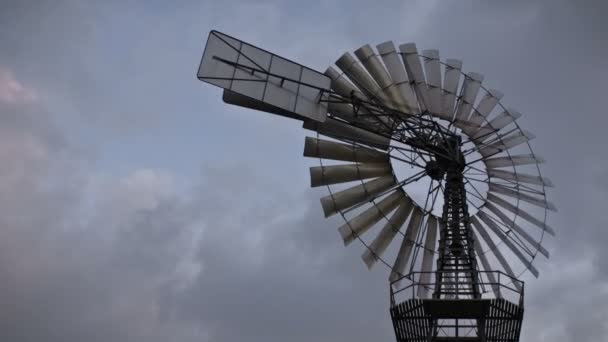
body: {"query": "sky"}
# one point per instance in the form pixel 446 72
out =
pixel 136 206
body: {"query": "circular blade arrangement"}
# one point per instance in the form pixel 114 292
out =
pixel 390 193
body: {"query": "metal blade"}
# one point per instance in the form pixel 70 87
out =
pixel 485 106
pixel 325 149
pixel 341 85
pixel 409 239
pixel 504 238
pixel 499 122
pixel 427 258
pixel 398 74
pixel 501 259
pixel 519 177
pixel 432 68
pixel 336 129
pixel 526 159
pixel 364 192
pixel 506 143
pixel 516 228
pixel 486 266
pixel 503 190
pixel 353 69
pixel 372 63
pixel 413 67
pixel 470 88
pixel 524 215
pixel 451 78
pixel 333 174
pixel 388 233
pixel 470 128
pixel 346 112
pixel 362 222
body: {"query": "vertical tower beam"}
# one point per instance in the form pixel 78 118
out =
pixel 457 276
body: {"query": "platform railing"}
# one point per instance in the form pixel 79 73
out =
pixel 504 286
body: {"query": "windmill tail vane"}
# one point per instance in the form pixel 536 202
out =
pixel 427 168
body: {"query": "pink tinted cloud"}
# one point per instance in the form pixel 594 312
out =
pixel 12 91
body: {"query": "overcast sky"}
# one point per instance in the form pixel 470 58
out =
pixel 136 206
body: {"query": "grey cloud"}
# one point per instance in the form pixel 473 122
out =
pixel 109 265
pixel 293 283
pixel 63 280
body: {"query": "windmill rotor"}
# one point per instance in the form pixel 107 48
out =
pixel 426 166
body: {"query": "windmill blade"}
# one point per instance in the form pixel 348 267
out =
pixel 413 67
pixel 476 125
pixel 346 112
pixel 501 259
pixel 470 88
pixel 325 149
pixel 362 222
pixel 427 258
pixel 353 69
pixel 471 128
pixel 505 239
pixel 519 177
pixel 333 174
pixel 473 125
pixel 503 190
pixel 516 228
pixel 524 215
pixel 361 117
pixel 371 62
pixel 504 119
pixel 486 266
pixel 397 71
pixel 506 143
pixel 432 69
pixel 485 106
pixel 339 130
pixel 499 122
pixel 341 85
pixel 274 81
pixel 375 250
pixel 526 159
pixel 451 79
pixel 409 239
pixel 344 199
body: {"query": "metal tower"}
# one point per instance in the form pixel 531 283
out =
pixel 412 150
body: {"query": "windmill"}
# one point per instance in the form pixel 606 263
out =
pixel 428 169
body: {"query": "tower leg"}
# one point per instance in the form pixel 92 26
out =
pixel 481 329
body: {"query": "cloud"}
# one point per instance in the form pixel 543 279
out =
pixel 104 238
pixel 69 276
pixel 91 256
pixel 12 91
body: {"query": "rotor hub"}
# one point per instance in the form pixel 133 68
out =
pixel 434 170
pixel 449 158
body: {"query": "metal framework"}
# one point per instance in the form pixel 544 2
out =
pixel 371 126
pixel 448 319
pixel 415 130
pixel 457 311
pixel 456 252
